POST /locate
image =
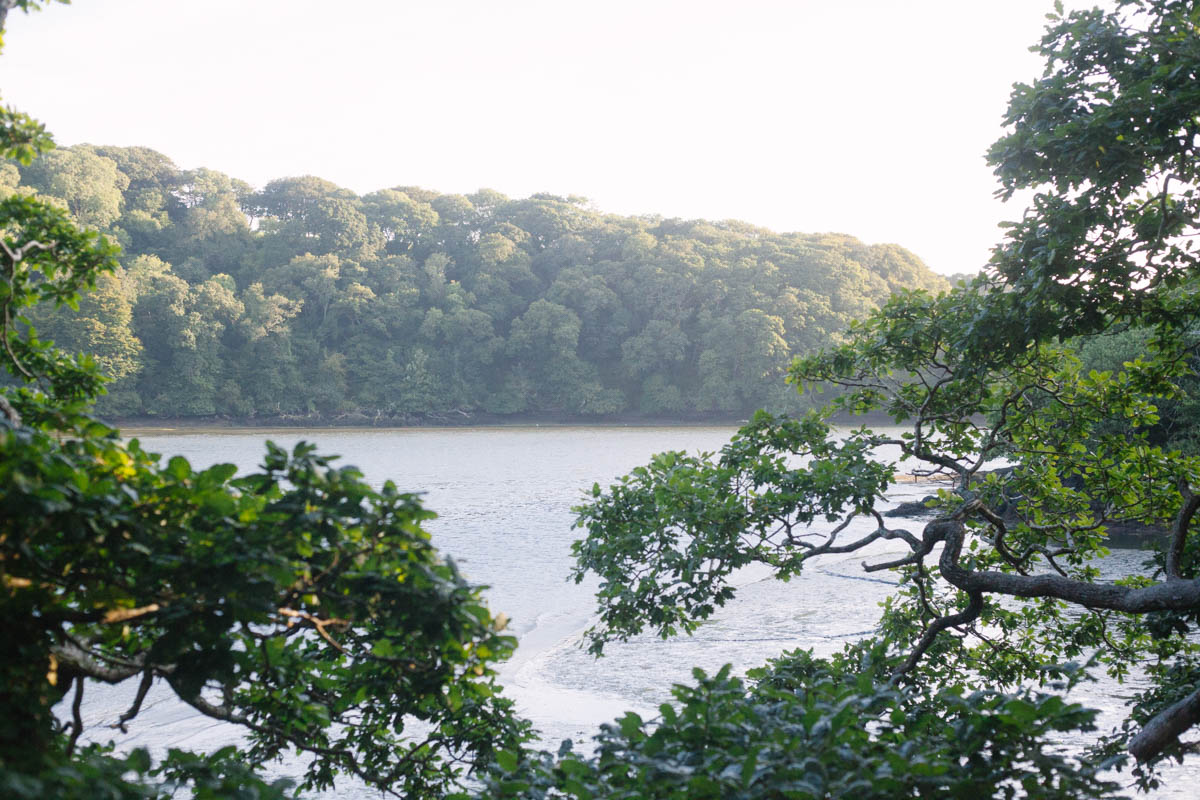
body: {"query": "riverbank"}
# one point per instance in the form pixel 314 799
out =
pixel 454 419
pixel 449 420
pixel 1121 535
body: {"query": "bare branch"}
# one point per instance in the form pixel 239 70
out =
pixel 76 716
pixel 143 689
pixel 829 538
pixel 933 535
pixel 1177 595
pixel 18 255
pixel 895 533
pixel 319 624
pixel 128 614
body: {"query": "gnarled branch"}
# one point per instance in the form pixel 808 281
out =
pixel 75 657
pixel 1166 727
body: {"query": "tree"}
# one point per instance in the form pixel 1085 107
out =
pixel 401 220
pixel 742 357
pixel 543 343
pixel 311 215
pixel 1002 587
pixel 209 223
pixel 298 603
pixel 89 184
pixel 100 326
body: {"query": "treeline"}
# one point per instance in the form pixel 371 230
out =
pixel 306 300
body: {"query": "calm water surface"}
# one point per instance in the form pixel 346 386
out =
pixel 504 496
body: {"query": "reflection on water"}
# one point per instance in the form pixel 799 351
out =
pixel 504 496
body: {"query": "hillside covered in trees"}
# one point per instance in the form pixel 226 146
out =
pixel 304 300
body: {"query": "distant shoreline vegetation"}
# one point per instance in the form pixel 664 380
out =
pixel 306 304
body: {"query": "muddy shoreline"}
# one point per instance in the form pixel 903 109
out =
pixel 451 419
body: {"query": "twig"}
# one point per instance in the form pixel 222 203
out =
pixel 969 614
pixel 10 412
pixel 143 689
pixel 76 716
pixel 319 624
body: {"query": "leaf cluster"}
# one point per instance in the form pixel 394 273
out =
pixel 812 728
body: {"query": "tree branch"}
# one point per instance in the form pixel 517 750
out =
pixel 932 535
pixel 319 624
pixel 128 614
pixel 143 689
pixel 1178 595
pixel 81 661
pixel 969 614
pixel 1166 727
pixel 76 716
pixel 13 416
pixel 1191 503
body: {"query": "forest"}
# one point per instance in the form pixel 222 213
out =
pixel 306 301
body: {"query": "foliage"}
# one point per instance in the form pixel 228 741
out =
pixel 405 303
pixel 297 604
pixel 701 519
pixel 1175 428
pixel 1107 139
pixel 816 729
pixel 1003 587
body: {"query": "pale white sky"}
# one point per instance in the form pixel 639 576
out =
pixel 867 117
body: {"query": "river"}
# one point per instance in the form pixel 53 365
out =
pixel 504 496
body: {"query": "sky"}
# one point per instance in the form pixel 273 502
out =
pixel 866 117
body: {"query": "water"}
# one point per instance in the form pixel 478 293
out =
pixel 504 497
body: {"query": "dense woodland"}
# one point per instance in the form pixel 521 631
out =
pixel 304 300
